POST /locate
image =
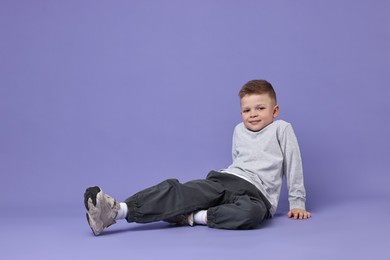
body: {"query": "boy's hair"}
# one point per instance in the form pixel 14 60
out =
pixel 258 86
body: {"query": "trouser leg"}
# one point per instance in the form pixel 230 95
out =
pixel 171 198
pixel 244 206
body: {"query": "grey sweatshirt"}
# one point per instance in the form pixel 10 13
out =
pixel 264 157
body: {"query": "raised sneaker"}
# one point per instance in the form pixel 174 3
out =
pixel 102 209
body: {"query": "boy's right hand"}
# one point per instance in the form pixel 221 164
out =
pixel 299 214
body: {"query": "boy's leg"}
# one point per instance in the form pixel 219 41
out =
pixel 170 198
pixel 245 207
pixel 166 200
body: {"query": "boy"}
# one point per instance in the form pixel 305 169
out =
pixel 239 197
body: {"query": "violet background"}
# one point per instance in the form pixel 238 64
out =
pixel 124 94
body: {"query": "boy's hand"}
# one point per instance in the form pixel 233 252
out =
pixel 298 214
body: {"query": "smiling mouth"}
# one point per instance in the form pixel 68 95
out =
pixel 255 122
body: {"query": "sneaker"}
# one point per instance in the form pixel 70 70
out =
pixel 182 220
pixel 102 209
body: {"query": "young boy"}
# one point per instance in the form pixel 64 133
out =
pixel 239 197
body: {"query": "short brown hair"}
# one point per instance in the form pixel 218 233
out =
pixel 258 86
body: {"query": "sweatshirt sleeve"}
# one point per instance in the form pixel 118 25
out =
pixel 292 169
pixel 234 150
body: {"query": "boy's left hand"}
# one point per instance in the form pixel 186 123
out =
pixel 298 214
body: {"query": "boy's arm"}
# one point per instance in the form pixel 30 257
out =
pixel 292 168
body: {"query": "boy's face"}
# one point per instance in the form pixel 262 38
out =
pixel 258 111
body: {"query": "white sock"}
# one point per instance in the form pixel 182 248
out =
pixel 122 212
pixel 200 217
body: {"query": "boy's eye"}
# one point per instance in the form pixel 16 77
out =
pixel 245 111
pixel 260 108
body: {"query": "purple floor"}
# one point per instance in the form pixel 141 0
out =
pixel 350 230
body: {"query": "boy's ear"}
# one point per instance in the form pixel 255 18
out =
pixel 276 111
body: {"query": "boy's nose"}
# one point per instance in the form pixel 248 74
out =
pixel 253 114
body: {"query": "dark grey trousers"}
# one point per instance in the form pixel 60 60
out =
pixel 230 201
